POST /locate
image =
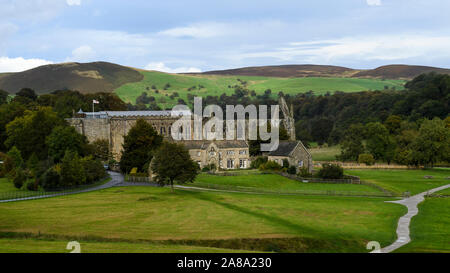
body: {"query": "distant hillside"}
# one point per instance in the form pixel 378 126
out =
pixel 399 71
pixel 295 71
pixel 291 71
pixel 83 77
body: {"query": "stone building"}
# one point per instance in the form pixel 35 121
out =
pixel 224 154
pixel 294 152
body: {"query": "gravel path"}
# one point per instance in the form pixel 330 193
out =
pixel 403 231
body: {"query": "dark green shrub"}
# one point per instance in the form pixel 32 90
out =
pixel 331 171
pixel 19 178
pixel 50 179
pixel 257 162
pixel 292 170
pixel 286 163
pixel 270 166
pixel 366 159
pixel 30 185
pixel 304 172
pixel 93 169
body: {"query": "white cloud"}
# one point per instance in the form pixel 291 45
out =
pixel 160 66
pixel 361 49
pixel 20 64
pixel 83 53
pixel 198 30
pixel 73 2
pixel 373 2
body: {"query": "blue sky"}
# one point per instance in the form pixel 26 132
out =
pixel 202 35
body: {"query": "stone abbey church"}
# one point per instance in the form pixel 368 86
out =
pixel 224 154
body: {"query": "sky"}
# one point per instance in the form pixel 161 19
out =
pixel 202 35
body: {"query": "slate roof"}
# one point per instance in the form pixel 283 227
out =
pixel 284 148
pixel 166 113
pixel 221 144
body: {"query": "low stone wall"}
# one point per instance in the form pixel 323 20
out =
pixel 354 165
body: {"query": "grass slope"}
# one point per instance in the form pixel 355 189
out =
pixel 325 224
pixel 216 85
pixel 400 181
pixel 276 183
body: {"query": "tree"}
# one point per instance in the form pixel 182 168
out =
pixel 27 93
pixel 15 155
pixel 100 149
pixel 393 123
pixel 72 170
pixel 352 145
pixel 63 138
pixel 432 143
pixel 3 96
pixel 172 163
pixel 29 132
pixel 331 171
pixel 379 143
pixel 139 144
pixel 8 112
pixel 366 159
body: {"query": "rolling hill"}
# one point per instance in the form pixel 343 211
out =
pixel 83 77
pixel 293 71
pixel 129 83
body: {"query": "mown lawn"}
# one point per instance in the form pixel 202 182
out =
pixel 430 229
pixel 214 85
pixel 275 182
pixel 400 181
pixel 59 246
pixel 325 224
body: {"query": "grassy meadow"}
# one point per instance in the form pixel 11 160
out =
pixel 216 85
pixel 325 153
pixel 152 219
pixel 321 224
pixel 400 181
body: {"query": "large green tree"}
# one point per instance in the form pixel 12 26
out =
pixel 65 138
pixel 379 142
pixel 432 143
pixel 172 163
pixel 29 132
pixel 3 96
pixel 139 145
pixel 352 145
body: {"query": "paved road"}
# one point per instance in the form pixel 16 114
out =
pixel 403 231
pixel 116 179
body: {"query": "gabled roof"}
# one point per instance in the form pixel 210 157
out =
pixel 285 148
pixel 229 144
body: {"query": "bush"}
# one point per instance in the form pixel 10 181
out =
pixel 304 172
pixel 292 170
pixel 50 179
pixel 210 167
pixel 30 185
pixel 257 162
pixel 72 170
pixel 93 169
pixel 331 171
pixel 286 163
pixel 270 165
pixel 366 159
pixel 19 178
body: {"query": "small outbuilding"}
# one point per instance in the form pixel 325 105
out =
pixel 294 152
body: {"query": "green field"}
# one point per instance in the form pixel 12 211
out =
pixel 400 181
pixel 320 224
pixel 275 182
pixel 15 245
pixel 217 85
pixel 430 229
pixel 325 153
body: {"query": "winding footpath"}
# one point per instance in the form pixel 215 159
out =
pixel 403 232
pixel 116 179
